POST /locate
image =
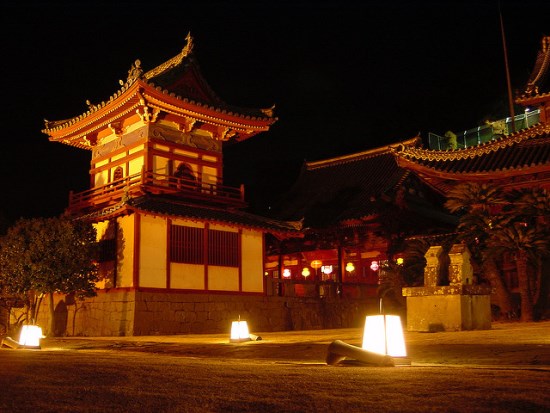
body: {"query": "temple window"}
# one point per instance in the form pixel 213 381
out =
pixel 223 248
pixel 187 246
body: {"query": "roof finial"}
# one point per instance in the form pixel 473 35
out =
pixel 189 45
pixel 134 73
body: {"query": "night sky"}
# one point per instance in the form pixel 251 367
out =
pixel 345 76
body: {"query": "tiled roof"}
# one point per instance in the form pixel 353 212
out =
pixel 340 190
pixel 231 217
pixel 179 78
pixel 528 148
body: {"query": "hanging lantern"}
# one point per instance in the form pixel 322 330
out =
pixel 350 267
pixel 374 266
pixel 316 264
pixel 400 261
pixel 326 269
pixel 305 272
pixel 287 273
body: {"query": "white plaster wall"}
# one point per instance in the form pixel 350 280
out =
pixel 186 276
pixel 252 261
pixel 152 253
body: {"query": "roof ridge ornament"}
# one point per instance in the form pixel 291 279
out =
pixel 540 70
pixel 173 62
pixel 269 112
pixel 134 73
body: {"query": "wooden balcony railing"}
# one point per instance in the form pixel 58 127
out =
pixel 153 183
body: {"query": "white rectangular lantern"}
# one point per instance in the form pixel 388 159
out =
pixel 239 331
pixel 30 336
pixel 383 334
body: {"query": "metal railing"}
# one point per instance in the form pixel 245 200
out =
pixel 482 134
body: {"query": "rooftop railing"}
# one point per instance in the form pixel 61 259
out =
pixel 485 133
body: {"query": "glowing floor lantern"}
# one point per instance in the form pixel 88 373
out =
pixel 239 331
pixel 30 336
pixel 383 334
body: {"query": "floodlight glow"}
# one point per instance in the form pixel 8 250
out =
pixel 239 331
pixel 383 334
pixel 30 336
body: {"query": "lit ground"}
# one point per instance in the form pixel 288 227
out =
pixel 503 369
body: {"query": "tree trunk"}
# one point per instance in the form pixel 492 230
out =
pixel 524 287
pixel 51 321
pixel 541 298
pixel 502 294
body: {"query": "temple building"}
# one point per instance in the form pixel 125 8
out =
pixel 357 209
pixel 178 251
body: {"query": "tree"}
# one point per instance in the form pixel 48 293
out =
pixel 529 210
pixel 479 206
pixel 494 223
pixel 44 256
pixel 526 244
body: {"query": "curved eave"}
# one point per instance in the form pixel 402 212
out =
pixel 127 100
pixel 533 100
pixel 430 172
pixel 176 105
pixel 354 157
pixel 74 131
pixel 281 228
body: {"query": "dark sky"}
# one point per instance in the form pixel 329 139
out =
pixel 345 76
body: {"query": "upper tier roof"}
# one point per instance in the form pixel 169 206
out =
pixel 351 189
pixel 176 88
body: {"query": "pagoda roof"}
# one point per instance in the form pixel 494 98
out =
pixel 352 189
pixel 174 87
pixel 538 80
pixel 516 155
pixel 168 207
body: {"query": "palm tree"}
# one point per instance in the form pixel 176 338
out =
pixel 479 206
pixel 470 197
pixel 531 206
pixel 526 243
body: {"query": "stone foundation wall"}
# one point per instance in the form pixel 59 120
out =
pixel 126 313
pixel 107 314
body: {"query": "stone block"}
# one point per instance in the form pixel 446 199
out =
pixel 450 312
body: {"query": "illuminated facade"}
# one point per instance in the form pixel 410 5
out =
pixel 166 223
pixel 356 208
